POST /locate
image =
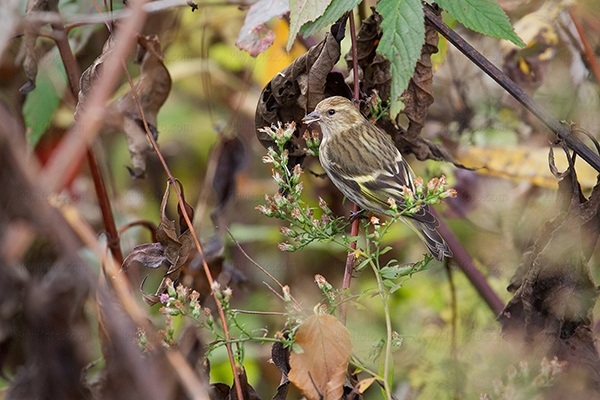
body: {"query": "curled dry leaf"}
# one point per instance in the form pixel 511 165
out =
pixel 30 34
pixel 152 90
pixel 554 293
pixel 298 88
pixel 320 370
pixel 173 250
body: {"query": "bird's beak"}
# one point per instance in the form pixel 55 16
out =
pixel 312 117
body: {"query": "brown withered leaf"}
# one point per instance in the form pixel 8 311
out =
pixel 30 35
pixel 89 76
pixel 374 69
pixel 299 87
pixel 152 89
pixel 173 250
pixel 150 255
pixel 319 372
pixel 554 293
pixel 248 391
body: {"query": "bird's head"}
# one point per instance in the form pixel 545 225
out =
pixel 335 115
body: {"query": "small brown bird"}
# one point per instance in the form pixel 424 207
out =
pixel 368 169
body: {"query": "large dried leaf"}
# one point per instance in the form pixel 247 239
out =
pixel 319 371
pixel 554 293
pixel 299 88
pixel 152 89
pixel 254 36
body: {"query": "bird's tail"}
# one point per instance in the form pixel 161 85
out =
pixel 431 237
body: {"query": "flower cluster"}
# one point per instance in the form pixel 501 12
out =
pixel 304 226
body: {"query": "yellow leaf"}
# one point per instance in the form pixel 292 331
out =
pixel 523 163
pixel 276 58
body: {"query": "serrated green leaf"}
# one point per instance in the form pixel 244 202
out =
pixel 401 43
pixel 336 9
pixel 42 102
pixel 483 16
pixel 301 12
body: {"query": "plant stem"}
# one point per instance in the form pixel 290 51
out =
pixel 388 329
pixel 354 231
pixel 59 34
pixel 514 90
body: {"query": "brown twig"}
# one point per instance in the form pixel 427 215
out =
pixel 514 90
pixel 589 52
pixel 151 226
pixel 70 151
pixel 188 221
pixel 350 259
pixel 59 34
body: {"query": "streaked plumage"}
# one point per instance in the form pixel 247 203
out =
pixel 367 168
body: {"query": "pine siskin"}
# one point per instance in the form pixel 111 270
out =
pixel 368 169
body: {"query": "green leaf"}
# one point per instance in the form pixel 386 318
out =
pixel 401 43
pixel 336 9
pixel 42 102
pixel 388 248
pixel 483 16
pixel 301 12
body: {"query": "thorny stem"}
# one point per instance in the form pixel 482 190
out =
pixel 514 90
pixel 188 221
pixel 59 34
pixel 354 231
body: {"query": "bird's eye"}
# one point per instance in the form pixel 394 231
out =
pixel 331 111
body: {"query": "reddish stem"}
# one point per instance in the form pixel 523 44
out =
pixel 188 221
pixel 354 231
pixel 59 34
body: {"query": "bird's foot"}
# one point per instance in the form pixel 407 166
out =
pixel 357 214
